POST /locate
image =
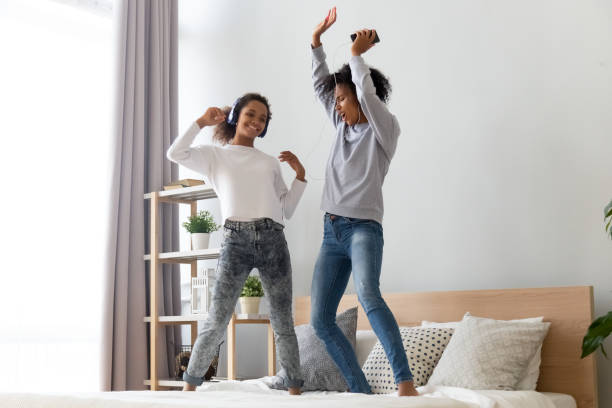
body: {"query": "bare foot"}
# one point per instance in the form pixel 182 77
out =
pixel 294 391
pixel 406 389
pixel 189 387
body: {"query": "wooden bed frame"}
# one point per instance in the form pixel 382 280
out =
pixel 569 309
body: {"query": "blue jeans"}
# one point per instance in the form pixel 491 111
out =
pixel 354 245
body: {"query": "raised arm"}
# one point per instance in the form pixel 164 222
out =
pixel 320 71
pixel 197 158
pixel 383 122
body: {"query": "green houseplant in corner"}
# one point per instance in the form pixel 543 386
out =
pixel 200 226
pixel 601 327
pixel 251 295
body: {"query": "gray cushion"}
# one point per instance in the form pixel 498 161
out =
pixel 319 371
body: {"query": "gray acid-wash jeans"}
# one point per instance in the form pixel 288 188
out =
pixel 257 244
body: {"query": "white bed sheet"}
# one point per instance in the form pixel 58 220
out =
pixel 561 400
pixel 255 394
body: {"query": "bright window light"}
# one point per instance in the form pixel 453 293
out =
pixel 55 102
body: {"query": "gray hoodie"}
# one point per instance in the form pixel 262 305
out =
pixel 361 154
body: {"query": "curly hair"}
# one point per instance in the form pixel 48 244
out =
pixel 343 76
pixel 224 132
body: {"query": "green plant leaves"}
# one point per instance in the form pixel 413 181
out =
pixel 608 209
pixel 608 214
pixel 596 335
pixel 252 287
pixel 202 222
pixel 601 328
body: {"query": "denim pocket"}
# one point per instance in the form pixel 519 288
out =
pixel 228 232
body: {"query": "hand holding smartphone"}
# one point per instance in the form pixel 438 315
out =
pixel 376 39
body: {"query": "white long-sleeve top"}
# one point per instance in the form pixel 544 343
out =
pixel 247 181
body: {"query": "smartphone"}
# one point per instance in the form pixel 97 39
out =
pixel 376 39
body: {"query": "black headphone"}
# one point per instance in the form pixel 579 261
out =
pixel 232 118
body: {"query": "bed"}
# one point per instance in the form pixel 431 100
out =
pixel 569 309
pixel 566 381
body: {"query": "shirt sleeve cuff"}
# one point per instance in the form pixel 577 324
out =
pixel 318 53
pixel 356 62
pixel 194 128
pixel 298 185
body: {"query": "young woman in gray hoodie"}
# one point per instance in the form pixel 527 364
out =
pixel 355 99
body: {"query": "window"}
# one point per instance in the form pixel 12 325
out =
pixel 56 78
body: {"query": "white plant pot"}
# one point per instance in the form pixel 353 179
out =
pixel 249 305
pixel 200 241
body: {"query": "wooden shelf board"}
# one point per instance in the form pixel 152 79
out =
pixel 171 382
pixel 187 194
pixel 252 318
pixel 240 318
pixel 186 256
pixel 179 319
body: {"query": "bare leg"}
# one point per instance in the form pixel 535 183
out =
pixel 406 389
pixel 188 387
pixel 294 391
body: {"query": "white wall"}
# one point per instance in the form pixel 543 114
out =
pixel 503 167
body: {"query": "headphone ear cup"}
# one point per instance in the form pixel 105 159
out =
pixel 231 118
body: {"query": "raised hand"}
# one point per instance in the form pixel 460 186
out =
pixel 213 116
pixel 322 27
pixel 295 164
pixel 363 42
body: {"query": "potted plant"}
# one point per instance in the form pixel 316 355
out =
pixel 200 226
pixel 251 295
pixel 602 326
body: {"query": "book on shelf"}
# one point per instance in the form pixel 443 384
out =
pixel 183 183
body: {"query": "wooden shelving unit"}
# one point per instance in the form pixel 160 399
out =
pixel 189 196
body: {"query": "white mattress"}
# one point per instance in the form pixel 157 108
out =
pixel 561 400
pixel 255 394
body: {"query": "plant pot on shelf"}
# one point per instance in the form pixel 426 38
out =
pixel 250 296
pixel 249 305
pixel 200 240
pixel 200 226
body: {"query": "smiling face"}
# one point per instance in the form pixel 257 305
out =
pixel 347 105
pixel 252 120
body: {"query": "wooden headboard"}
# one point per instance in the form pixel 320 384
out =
pixel 569 309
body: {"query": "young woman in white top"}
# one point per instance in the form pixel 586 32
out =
pixel 254 203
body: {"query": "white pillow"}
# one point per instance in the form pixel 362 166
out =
pixel 529 378
pixel 366 339
pixel 488 354
pixel 444 325
pixel 423 346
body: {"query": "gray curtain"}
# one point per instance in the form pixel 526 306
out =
pixel 145 124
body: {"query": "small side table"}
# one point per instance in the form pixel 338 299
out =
pixel 231 341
